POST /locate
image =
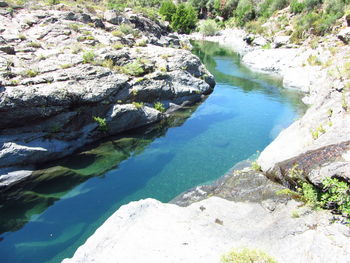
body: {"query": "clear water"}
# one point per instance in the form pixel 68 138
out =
pixel 48 218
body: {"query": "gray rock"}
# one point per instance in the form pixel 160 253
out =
pixel 8 50
pixel 344 35
pixel 280 41
pixel 114 17
pixel 335 169
pixel 149 231
pixel 3 4
pixel 259 41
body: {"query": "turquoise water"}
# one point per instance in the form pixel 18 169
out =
pixel 48 218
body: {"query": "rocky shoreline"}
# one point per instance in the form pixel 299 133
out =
pixel 207 227
pixel 72 77
pixel 326 122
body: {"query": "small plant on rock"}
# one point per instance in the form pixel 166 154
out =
pixel 88 57
pixel 138 105
pixel 102 124
pixel 256 167
pixel 246 255
pixel 31 73
pixel 159 106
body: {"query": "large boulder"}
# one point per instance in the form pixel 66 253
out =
pixel 344 35
pixel 150 231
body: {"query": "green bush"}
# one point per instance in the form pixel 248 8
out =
pixel 208 27
pixel 268 7
pixel 244 12
pixel 126 29
pixel 102 125
pixel 312 4
pixel 336 196
pixel 159 106
pixel 296 7
pixel 167 10
pixel 185 19
pixel 245 255
pixel 134 69
pixel 88 57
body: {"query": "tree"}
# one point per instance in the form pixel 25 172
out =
pixel 185 19
pixel 167 10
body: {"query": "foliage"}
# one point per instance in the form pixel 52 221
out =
pixel 102 125
pixel 311 4
pixel 315 133
pixel 133 68
pixel 336 196
pixel 256 167
pixel 268 7
pixel 34 44
pixel 208 27
pixel 296 7
pixel 159 106
pixel 53 2
pixel 167 10
pixel 126 29
pixel 244 12
pixel 245 255
pixel 88 57
pixel 138 105
pixel 185 19
pixel 314 61
pixel 31 73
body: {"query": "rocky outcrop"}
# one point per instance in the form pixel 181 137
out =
pixel 319 73
pixel 69 78
pixel 205 230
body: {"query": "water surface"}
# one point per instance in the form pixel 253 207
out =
pixel 48 218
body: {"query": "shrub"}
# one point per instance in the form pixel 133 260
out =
pixel 245 255
pixel 88 57
pixel 311 4
pixel 244 12
pixel 117 33
pixel 159 106
pixel 167 10
pixel 268 7
pixel 134 69
pixel 102 125
pixel 314 61
pixel 65 66
pixel 138 105
pixel 208 27
pixel 256 167
pixel 184 20
pixel 334 195
pixel 296 7
pixel 53 2
pixel 118 45
pixel 126 29
pixel 31 73
pixel 34 44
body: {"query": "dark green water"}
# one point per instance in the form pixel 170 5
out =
pixel 48 218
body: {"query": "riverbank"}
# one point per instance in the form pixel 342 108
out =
pixel 326 123
pixel 318 144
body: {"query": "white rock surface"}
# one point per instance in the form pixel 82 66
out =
pixel 150 231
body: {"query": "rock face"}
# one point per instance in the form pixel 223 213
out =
pixel 205 230
pixel 71 67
